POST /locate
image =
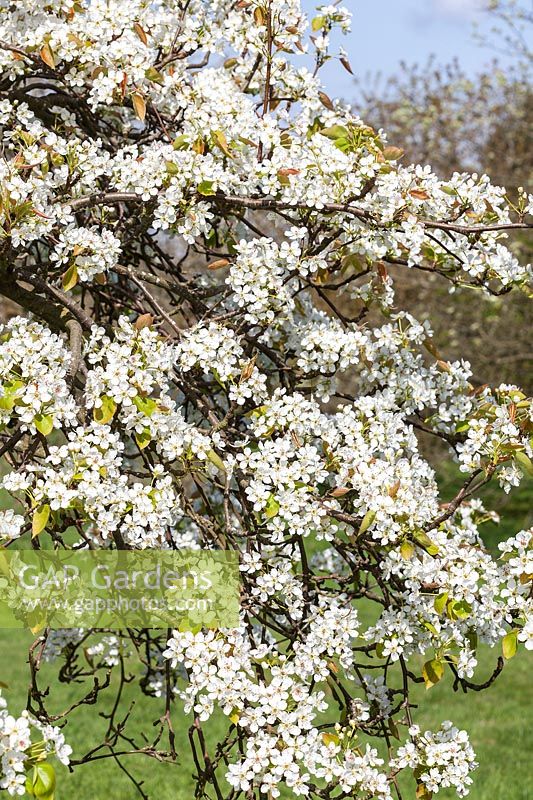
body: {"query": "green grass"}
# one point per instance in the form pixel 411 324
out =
pixel 86 728
pixel 500 724
pixel 499 720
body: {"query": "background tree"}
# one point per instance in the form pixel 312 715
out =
pixel 442 116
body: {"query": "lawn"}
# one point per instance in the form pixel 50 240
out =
pixel 499 720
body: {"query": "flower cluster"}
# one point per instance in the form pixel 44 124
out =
pixel 440 759
pixel 24 742
pixel 34 365
pixel 11 525
pixel 85 474
pixel 215 350
pixel 86 251
pixel 129 364
pixel 277 712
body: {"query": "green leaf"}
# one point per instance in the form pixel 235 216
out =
pixel 154 75
pixel 335 132
pixel 44 423
pixel 219 139
pixel 430 627
pixel 342 144
pixel 428 252
pixel 407 550
pixel 106 412
pixel 70 278
pixel 7 401
pixel 205 188
pixel 510 644
pixel 144 438
pixel 393 728
pixel 317 23
pixel 235 716
pixel 13 385
pixel 40 518
pixel 36 623
pixel 215 459
pixel 462 426
pixel 472 640
pixel 440 602
pixel 368 519
pixel 525 463
pixel 330 738
pixel 272 507
pixel 432 672
pixel 43 781
pixel 459 609
pixel 379 649
pixel 425 542
pixel 146 405
pixel 180 142
pixel 172 168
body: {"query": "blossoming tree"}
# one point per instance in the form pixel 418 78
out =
pixel 209 355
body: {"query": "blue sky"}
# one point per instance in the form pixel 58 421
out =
pixel 385 32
